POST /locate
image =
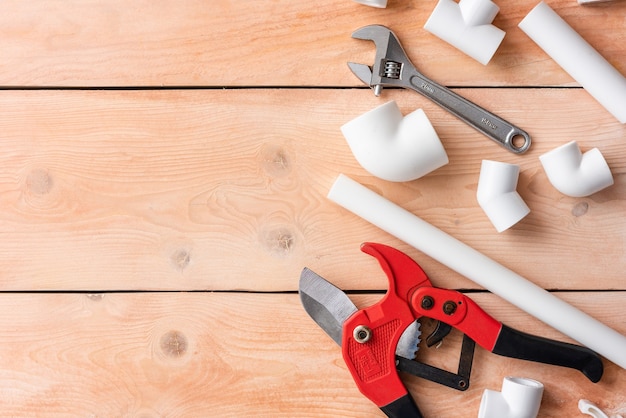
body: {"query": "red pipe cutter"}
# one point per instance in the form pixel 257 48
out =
pixel 381 339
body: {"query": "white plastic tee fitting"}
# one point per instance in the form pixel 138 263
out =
pixel 393 147
pixel 520 398
pixel 497 194
pixel 467 26
pixel 579 59
pixel 381 4
pixel 576 174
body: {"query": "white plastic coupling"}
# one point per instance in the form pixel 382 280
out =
pixel 395 147
pixel 579 59
pixel 466 25
pixel 381 4
pixel 520 398
pixel 576 174
pixel 497 194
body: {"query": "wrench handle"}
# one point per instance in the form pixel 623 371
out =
pixel 491 125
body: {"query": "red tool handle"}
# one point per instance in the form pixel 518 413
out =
pixel 458 310
pixel 371 335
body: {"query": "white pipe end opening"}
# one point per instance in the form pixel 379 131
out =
pixel 466 25
pixel 381 4
pixel 576 174
pixel 393 147
pixel 591 409
pixel 497 194
pixel 520 398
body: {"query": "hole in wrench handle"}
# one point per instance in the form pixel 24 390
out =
pixel 504 133
pixel 519 141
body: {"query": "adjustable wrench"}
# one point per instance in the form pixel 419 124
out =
pixel 393 68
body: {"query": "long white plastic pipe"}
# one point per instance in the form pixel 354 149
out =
pixel 581 61
pixel 478 267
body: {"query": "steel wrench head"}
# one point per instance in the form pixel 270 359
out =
pixel 390 60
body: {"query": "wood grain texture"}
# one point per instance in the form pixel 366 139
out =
pixel 226 190
pixel 236 355
pixel 163 173
pixel 264 42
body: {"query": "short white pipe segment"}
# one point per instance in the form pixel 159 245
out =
pixel 497 194
pixel 520 398
pixel 395 147
pixel 466 25
pixel 579 59
pixel 576 174
pixel 476 266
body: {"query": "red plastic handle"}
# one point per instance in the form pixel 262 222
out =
pixel 371 335
pixel 372 362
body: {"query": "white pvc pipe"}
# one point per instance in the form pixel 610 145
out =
pixel 497 195
pixel 466 25
pixel 579 59
pixel 576 174
pixel 520 398
pixel 478 267
pixel 395 147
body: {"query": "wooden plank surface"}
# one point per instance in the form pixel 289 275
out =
pixel 196 189
pixel 163 176
pixel 201 355
pixel 264 42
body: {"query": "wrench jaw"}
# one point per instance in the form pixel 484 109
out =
pixel 390 62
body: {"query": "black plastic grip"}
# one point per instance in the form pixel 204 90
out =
pixel 517 344
pixel 403 407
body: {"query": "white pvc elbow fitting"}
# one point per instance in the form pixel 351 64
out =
pixel 393 147
pixel 467 26
pixel 381 4
pixel 497 194
pixel 576 174
pixel 520 398
pixel 579 59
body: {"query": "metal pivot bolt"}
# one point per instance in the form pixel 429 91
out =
pixel 362 334
pixel 427 302
pixel 449 307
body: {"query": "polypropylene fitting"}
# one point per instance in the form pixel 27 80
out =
pixel 579 59
pixel 497 194
pixel 479 268
pixel 520 398
pixel 588 408
pixel 576 174
pixel 393 147
pixel 467 26
pixel 381 4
